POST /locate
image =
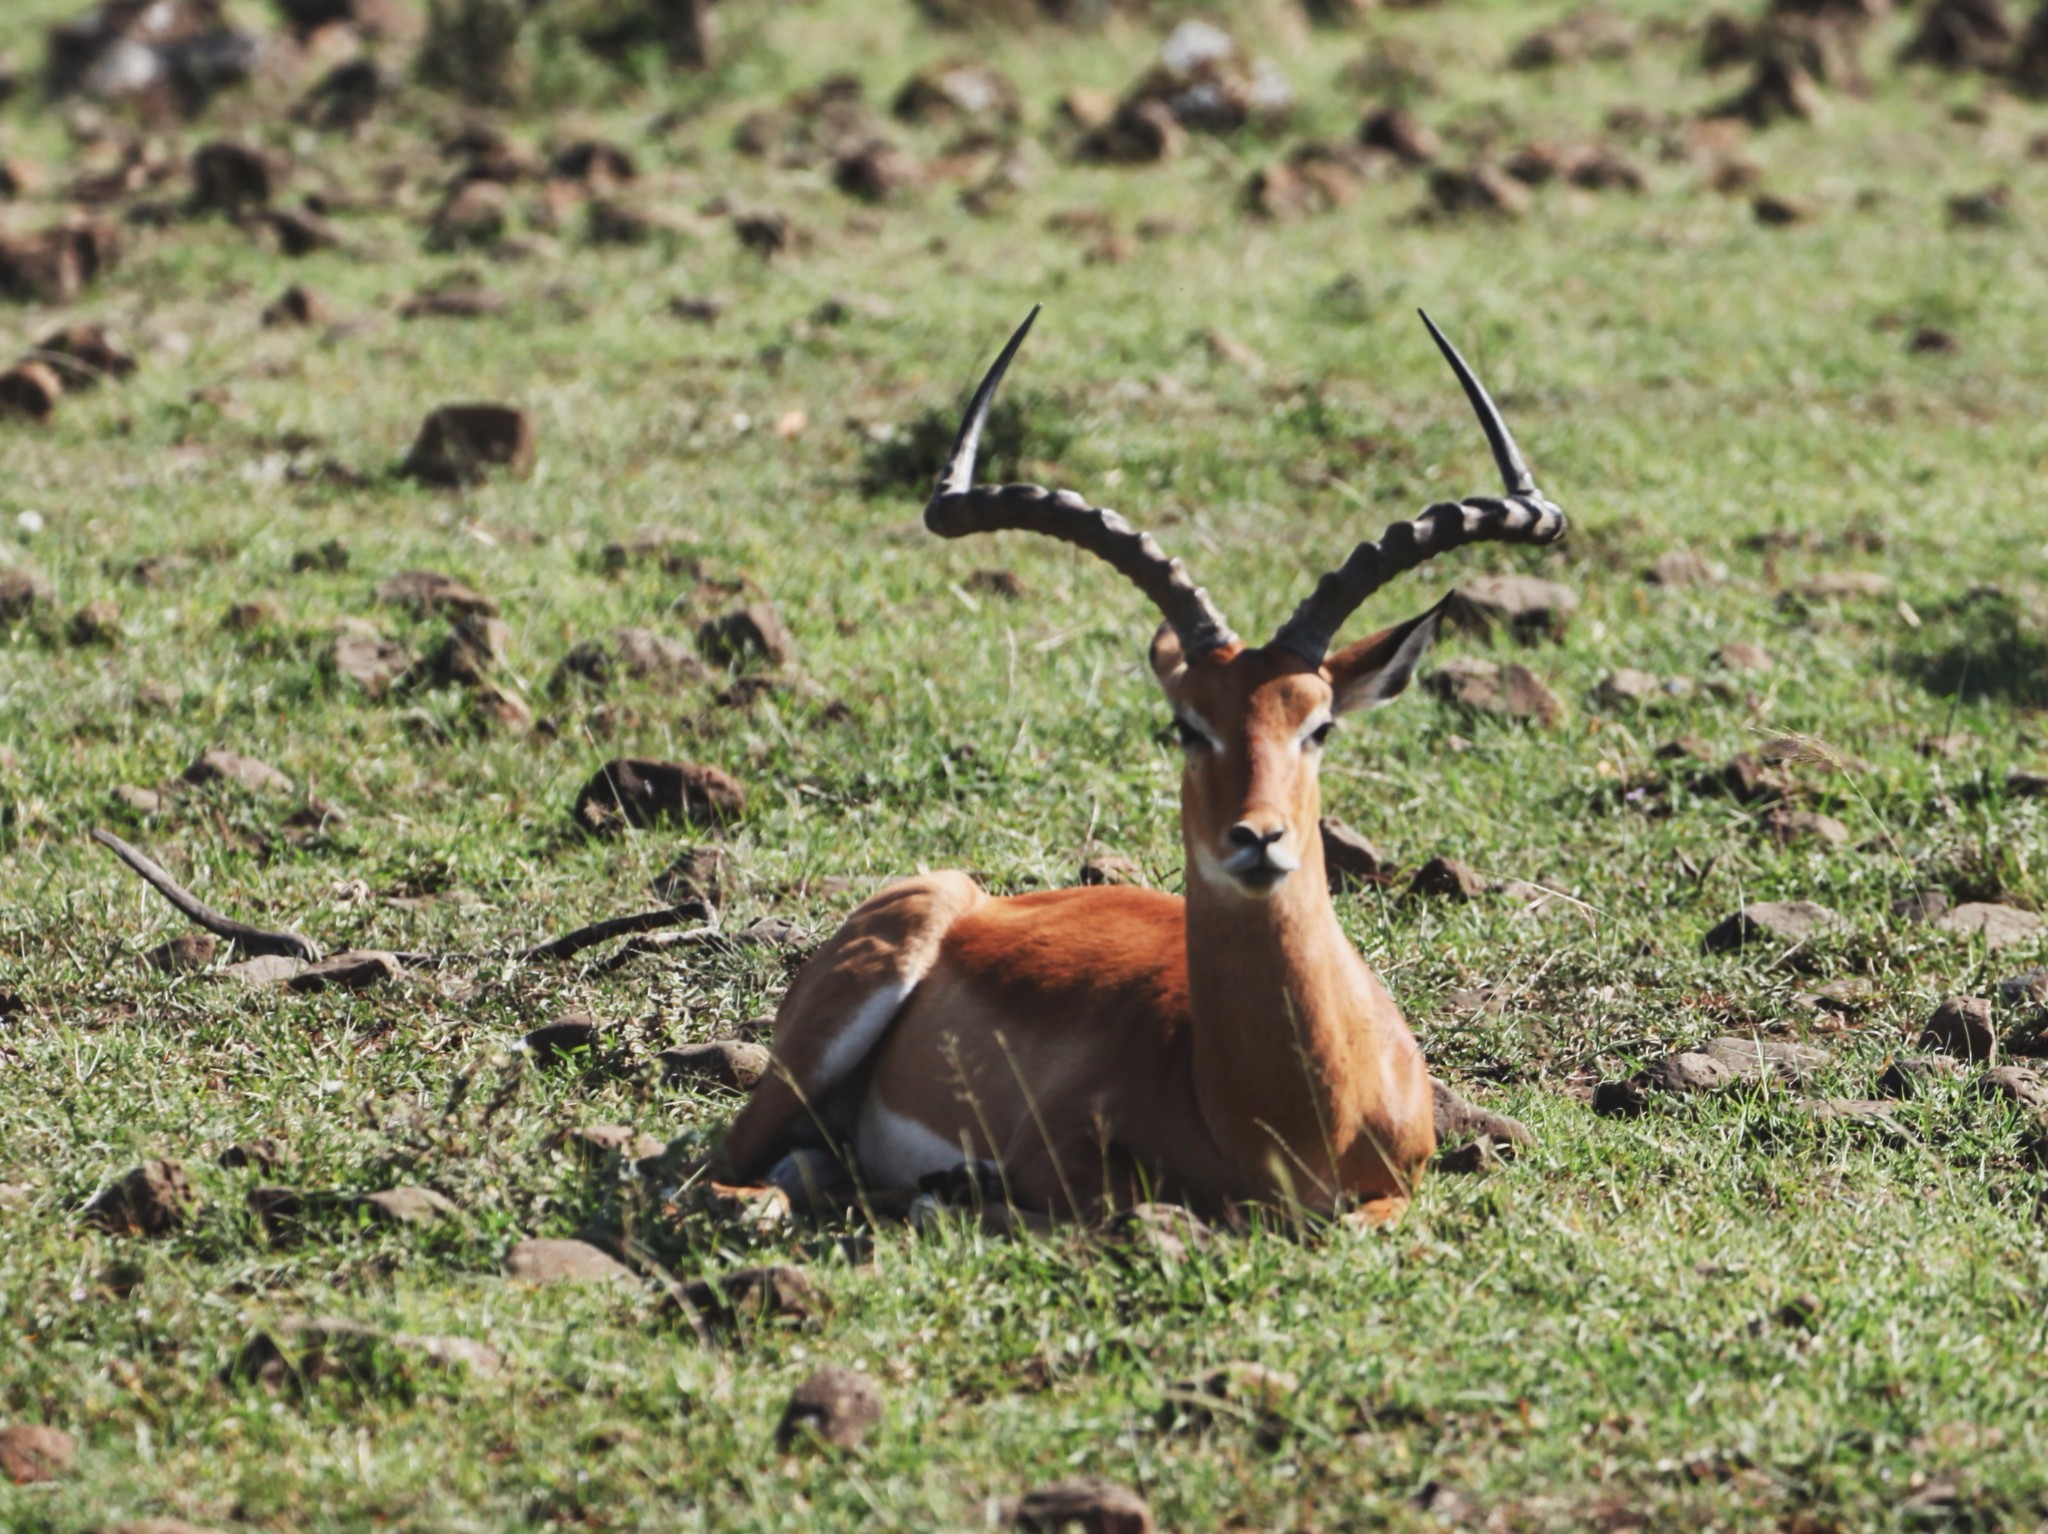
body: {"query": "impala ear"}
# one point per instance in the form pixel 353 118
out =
pixel 1376 670
pixel 1168 658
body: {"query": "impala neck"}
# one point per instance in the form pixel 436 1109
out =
pixel 1282 1027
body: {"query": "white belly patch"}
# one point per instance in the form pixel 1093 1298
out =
pixel 896 1150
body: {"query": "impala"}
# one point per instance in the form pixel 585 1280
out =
pixel 1109 1044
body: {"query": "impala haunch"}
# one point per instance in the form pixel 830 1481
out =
pixel 1104 1045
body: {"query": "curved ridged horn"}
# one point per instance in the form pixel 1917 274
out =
pixel 1524 515
pixel 959 507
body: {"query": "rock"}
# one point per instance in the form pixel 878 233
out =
pixel 460 444
pixel 1962 1027
pixel 1776 212
pixel 1786 826
pixel 636 791
pixel 2000 926
pixel 301 232
pixel 959 91
pixel 596 163
pixel 229 178
pixel 1480 188
pixel 151 1200
pixel 156 1526
pixel 20 594
pixel 480 1359
pixel 426 591
pixel 540 1260
pixel 31 1454
pixel 1840 585
pixel 85 357
pixel 877 171
pixel 1351 859
pixel 1107 868
pixel 372 662
pixel 265 969
pixel 1859 1112
pixel 1448 879
pixel 264 1154
pixel 2016 1084
pixel 1906 1076
pixel 1397 131
pixel 1685 1071
pixel 162 61
pixel 1591 32
pixel 1758 1060
pixel 296 306
pixel 1745 779
pixel 2029 989
pixel 1089 1506
pixel 1530 608
pixel 1459 1122
pixel 563 1040
pixel 747 633
pixel 1168 1232
pixel 1742 656
pixel 1139 133
pixel 183 955
pixel 836 1406
pixel 30 391
pixel 253 617
pixel 1781 923
pixel 354 970
pixel 140 801
pixel 767 234
pixel 409 1206
pixel 96 623
pixel 1512 691
pixel 243 771
pixel 1685 567
pixel 347 96
pixel 1961 35
pixel 2022 784
pixel 598 1142
pixel 1241 1389
pixel 1626 688
pixel 474 214
pixel 753 1297
pixel 1209 83
pixel 721 1063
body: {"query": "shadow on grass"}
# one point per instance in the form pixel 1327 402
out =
pixel 1981 648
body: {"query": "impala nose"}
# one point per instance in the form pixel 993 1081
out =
pixel 1245 834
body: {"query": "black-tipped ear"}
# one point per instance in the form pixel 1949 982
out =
pixel 1167 654
pixel 1377 670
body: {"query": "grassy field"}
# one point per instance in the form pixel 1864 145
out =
pixel 1728 1312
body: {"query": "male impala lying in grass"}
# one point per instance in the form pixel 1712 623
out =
pixel 1105 1045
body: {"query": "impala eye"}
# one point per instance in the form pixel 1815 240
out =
pixel 1321 734
pixel 1191 739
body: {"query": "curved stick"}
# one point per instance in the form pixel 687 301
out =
pixel 255 940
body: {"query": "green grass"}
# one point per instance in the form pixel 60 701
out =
pixel 1589 1337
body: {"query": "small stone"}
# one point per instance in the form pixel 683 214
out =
pixel 84 357
pixel 409 1206
pixel 372 662
pixel 1107 868
pixel 836 1406
pixel 253 617
pixel 1758 1060
pixel 141 801
pixel 1685 567
pixel 541 1260
pixel 266 969
pixel 597 1142
pixel 645 654
pixel 755 1296
pixel 96 623
pixel 474 214
pixel 1482 189
pixel 1448 879
pixel 1459 1122
pixel 478 1358
pixel 301 232
pixel 1350 858
pixel 1962 1026
pixel 427 591
pixel 30 391
pixel 151 1200
pixel 183 955
pixel 1089 1506
pixel 753 632
pixel 2022 784
pixel 31 1454
pixel 1137 133
pixel 1399 132
pixel 263 1154
pixel 1922 906
pixel 1908 1075
pixel 1626 688
pixel 1685 1071
pixel 1842 585
pixel 354 970
pixel 597 163
pixel 228 178
pixel 1787 923
pixel 460 444
pixel 1786 826
pixel 296 307
pixel 698 874
pixel 1776 212
pixel 2016 1084
pixel 2029 989
pixel 877 171
pixel 724 1063
pixel 1529 608
pixel 564 1040
pixel 1742 656
pixel 1512 691
pixel 2000 926
pixel 638 792
pixel 959 91
pixel 243 771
